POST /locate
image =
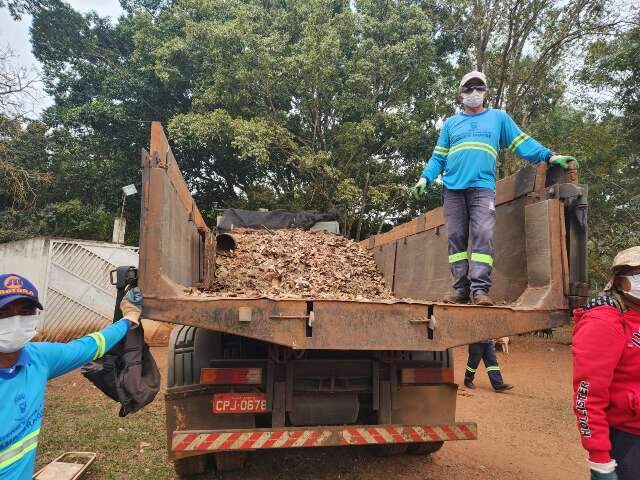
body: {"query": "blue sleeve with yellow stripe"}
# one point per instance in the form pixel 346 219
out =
pixel 438 159
pixel 520 143
pixel 65 357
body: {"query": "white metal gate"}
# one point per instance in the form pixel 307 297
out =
pixel 79 297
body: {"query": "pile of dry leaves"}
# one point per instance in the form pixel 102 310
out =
pixel 298 263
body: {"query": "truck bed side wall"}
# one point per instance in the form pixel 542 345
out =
pixel 173 232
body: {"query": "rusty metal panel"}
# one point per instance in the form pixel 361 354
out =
pixel 385 257
pixel 172 241
pixel 434 404
pixel 282 322
pixel 510 265
pixel 405 326
pixel 465 324
pixel 422 270
pixel 544 256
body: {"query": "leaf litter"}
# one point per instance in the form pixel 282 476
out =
pixel 295 263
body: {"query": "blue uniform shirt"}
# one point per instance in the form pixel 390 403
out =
pixel 468 146
pixel 22 390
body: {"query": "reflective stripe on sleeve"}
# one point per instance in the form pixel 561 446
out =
pixel 19 449
pixel 441 151
pixel 101 343
pixel 456 257
pixel 482 258
pixel 518 141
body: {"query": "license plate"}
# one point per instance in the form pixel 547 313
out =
pixel 239 403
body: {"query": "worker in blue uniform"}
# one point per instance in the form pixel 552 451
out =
pixel 485 351
pixel 466 155
pixel 26 367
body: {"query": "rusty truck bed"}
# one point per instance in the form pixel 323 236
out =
pixel 540 268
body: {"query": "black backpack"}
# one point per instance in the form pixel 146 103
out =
pixel 128 372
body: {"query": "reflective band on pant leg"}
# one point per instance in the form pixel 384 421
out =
pixel 456 257
pixel 19 449
pixel 493 369
pixel 469 369
pixel 482 258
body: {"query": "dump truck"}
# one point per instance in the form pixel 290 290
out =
pixel 254 373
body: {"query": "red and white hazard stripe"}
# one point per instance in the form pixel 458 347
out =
pixel 318 437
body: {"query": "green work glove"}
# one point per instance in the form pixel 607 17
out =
pixel 603 476
pixel 562 160
pixel 603 471
pixel 420 188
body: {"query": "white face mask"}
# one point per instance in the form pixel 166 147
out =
pixel 473 99
pixel 16 331
pixel 634 289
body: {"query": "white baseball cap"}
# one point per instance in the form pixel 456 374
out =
pixel 471 75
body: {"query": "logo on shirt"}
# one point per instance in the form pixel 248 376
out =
pixel 473 125
pixel 582 396
pixel 20 401
pixel 635 338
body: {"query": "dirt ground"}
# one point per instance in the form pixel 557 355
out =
pixel 528 433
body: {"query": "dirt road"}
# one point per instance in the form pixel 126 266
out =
pixel 528 433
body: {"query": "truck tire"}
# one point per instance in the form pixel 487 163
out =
pixel 187 467
pixel 424 448
pixel 190 349
pixel 230 461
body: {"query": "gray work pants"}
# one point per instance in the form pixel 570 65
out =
pixel 463 209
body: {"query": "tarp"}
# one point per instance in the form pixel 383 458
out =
pixel 275 219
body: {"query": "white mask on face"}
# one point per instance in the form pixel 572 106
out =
pixel 16 331
pixel 473 99
pixel 634 289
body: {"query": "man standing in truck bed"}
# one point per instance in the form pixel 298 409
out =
pixel 466 152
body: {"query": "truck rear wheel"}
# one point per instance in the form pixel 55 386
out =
pixel 425 448
pixel 190 349
pixel 187 467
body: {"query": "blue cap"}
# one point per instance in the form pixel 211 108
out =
pixel 14 287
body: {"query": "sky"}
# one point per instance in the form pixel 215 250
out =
pixel 16 36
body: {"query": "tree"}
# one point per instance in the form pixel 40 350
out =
pixel 17 8
pixel 527 47
pixel 19 184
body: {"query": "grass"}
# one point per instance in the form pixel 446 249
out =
pixel 86 421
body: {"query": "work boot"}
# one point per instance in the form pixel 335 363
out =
pixel 503 388
pixel 481 298
pixel 469 384
pixel 456 297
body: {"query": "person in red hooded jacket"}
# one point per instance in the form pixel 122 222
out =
pixel 606 373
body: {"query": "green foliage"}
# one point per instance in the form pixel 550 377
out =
pixel 70 219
